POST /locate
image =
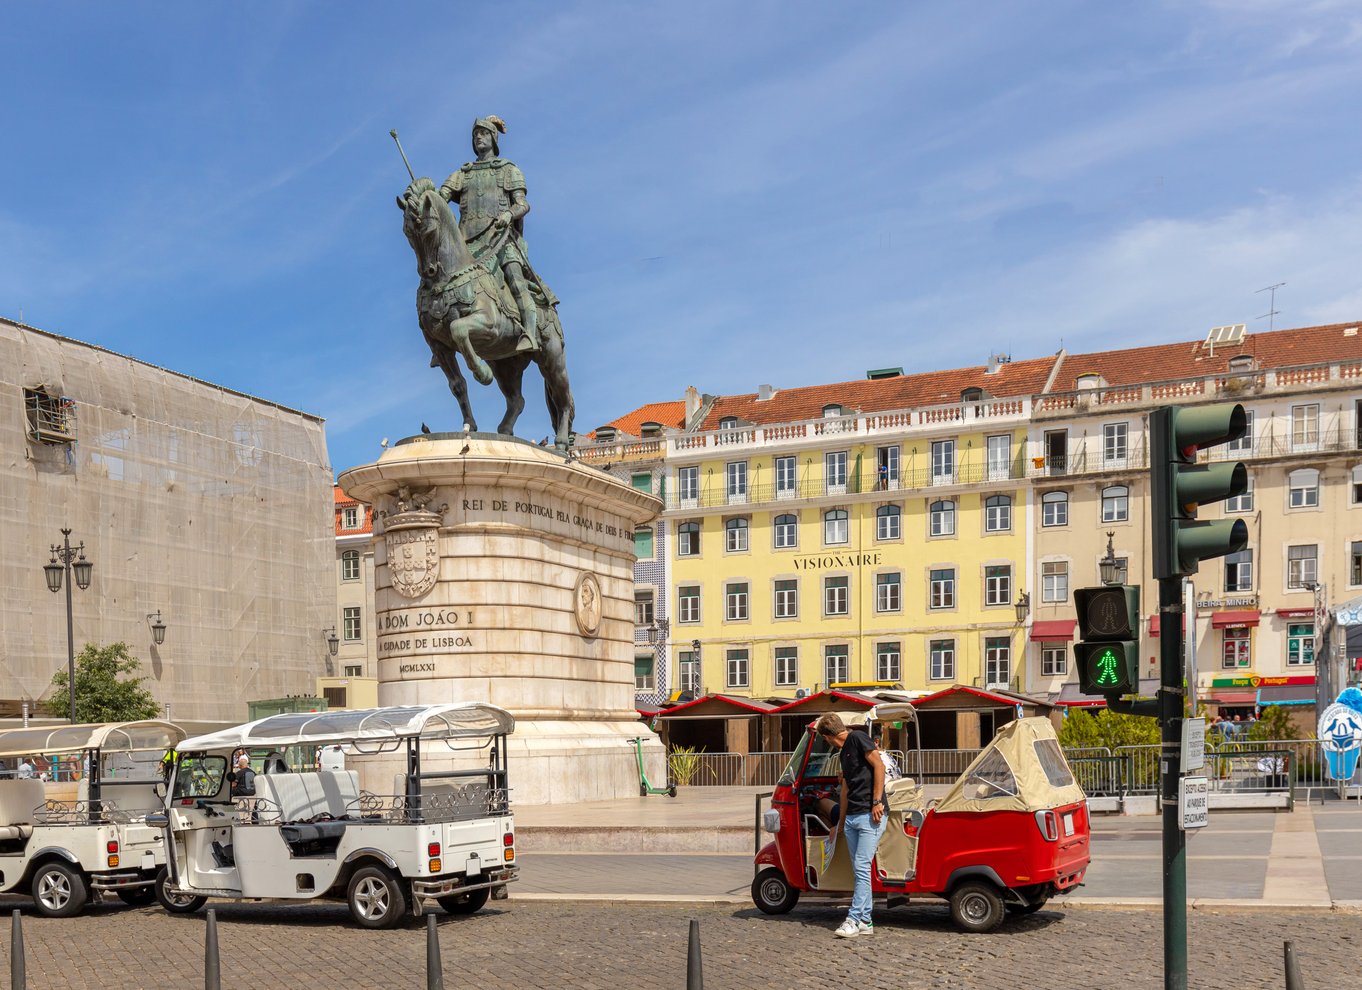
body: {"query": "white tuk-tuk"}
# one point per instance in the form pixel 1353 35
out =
pixel 60 851
pixel 445 836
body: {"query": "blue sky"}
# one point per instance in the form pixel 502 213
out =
pixel 724 194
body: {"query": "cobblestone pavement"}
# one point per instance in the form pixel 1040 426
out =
pixel 527 945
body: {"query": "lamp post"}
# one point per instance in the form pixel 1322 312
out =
pixel 695 667
pixel 1106 567
pixel 332 640
pixel 66 561
pixel 158 628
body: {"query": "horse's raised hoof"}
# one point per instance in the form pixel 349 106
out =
pixel 482 373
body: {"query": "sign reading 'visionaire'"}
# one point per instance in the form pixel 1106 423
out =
pixel 824 561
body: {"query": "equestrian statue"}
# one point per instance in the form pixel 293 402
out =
pixel 478 296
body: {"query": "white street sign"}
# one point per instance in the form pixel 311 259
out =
pixel 1193 744
pixel 1194 803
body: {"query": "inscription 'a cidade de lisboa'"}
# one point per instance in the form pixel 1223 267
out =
pixel 434 630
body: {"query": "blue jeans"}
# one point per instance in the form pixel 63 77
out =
pixel 863 838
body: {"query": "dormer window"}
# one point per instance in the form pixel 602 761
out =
pixel 1241 362
pixel 832 409
pixel 605 434
pixel 728 423
pixel 650 429
pixel 971 395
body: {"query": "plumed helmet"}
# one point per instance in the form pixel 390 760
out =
pixel 493 125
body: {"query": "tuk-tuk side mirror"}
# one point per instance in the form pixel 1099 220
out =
pixel 158 819
pixel 159 789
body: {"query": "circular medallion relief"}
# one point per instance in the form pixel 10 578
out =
pixel 587 604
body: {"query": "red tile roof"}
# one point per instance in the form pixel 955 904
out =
pixel 344 501
pixel 669 414
pixel 1162 362
pixel 790 405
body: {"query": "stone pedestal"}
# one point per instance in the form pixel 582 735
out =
pixel 504 573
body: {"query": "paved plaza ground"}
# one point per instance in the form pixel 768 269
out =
pixel 533 944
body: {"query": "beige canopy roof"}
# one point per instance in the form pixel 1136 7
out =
pixel 468 719
pixel 1022 769
pixel 107 736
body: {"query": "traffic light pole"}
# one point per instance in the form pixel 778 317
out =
pixel 1171 692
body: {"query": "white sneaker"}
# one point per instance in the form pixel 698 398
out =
pixel 866 927
pixel 849 929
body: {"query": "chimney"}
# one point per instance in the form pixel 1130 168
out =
pixel 692 403
pixel 764 393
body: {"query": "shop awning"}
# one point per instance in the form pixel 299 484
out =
pixel 1052 630
pixel 1287 694
pixel 1224 620
pixel 1296 613
pixel 1233 696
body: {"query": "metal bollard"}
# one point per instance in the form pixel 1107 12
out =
pixel 18 979
pixel 212 972
pixel 435 977
pixel 695 978
pixel 1293 970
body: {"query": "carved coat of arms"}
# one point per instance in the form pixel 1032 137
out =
pixel 412 534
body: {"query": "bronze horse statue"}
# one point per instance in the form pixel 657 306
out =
pixel 466 308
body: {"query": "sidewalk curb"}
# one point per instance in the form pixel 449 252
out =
pixel 1080 903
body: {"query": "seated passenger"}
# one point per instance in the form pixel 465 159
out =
pixel 242 778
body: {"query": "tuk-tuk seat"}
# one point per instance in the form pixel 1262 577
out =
pixel 303 797
pixel 19 799
pixel 312 838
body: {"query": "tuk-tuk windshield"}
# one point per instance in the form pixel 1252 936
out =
pixel 791 772
pixel 199 776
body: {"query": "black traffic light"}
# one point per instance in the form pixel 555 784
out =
pixel 1180 485
pixel 1108 651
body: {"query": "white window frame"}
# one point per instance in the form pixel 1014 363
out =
pixel 889 592
pixel 1241 503
pixel 738 668
pixel 941 590
pixel 1059 501
pixel 1244 445
pixel 835 472
pixel 1303 488
pixel 737 601
pixel 350 565
pixel 837 660
pixel 837 596
pixel 889 661
pixel 1116 503
pixel 737 534
pixel 350 517
pixel 1054 581
pixel 941 517
pixel 785 535
pixel 786 660
pixel 787 479
pixel 998 517
pixel 1302 570
pixel 1054 659
pixel 688 486
pixel 735 482
pixel 941 660
pixel 997 661
pixel 786 599
pixel 830 520
pixel 687 605
pixel 888 458
pixel 648 682
pixel 1115 445
pixel 352 623
pixel 943 462
pixel 688 540
pixel 998 587
pixel 1305 427
pixel 998 458
pixel 888 522
pixel 1243 572
pixel 645 607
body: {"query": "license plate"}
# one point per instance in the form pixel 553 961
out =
pixel 474 867
pixel 1069 824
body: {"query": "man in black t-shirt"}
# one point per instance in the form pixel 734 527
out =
pixel 862 819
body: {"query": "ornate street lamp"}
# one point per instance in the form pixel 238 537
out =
pixel 659 628
pixel 1023 606
pixel 1106 567
pixel 332 640
pixel 158 628
pixel 66 560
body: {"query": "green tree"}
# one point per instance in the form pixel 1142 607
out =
pixel 1275 723
pixel 104 690
pixel 1107 728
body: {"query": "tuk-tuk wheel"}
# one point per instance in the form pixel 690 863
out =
pixel 772 893
pixel 469 903
pixel 137 896
pixel 377 898
pixel 58 890
pixel 173 902
pixel 977 907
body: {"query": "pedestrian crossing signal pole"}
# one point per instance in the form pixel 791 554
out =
pixel 1178 487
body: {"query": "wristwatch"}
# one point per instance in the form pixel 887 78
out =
pixel 877 801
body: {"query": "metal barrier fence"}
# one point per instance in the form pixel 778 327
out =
pixel 1240 766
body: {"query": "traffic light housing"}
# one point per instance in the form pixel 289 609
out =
pixel 1179 486
pixel 1108 652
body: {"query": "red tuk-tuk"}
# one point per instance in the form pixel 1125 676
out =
pixel 1010 833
